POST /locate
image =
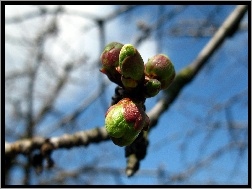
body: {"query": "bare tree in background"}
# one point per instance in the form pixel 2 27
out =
pixel 35 88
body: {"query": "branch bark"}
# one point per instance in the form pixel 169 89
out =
pixel 186 75
pixel 83 138
pixel 182 79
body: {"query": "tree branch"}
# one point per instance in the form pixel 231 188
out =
pixel 185 76
pixel 182 79
pixel 81 138
pixel 48 104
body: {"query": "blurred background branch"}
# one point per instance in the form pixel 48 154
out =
pixel 55 97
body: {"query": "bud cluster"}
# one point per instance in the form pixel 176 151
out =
pixel 124 66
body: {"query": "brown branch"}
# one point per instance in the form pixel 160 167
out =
pixel 186 75
pixel 146 30
pixel 48 104
pixel 183 77
pixel 121 10
pixel 39 42
pixel 227 29
pixel 71 117
pixel 81 138
pixel 33 14
pixel 17 74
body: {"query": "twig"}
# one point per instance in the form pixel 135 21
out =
pixel 186 75
pixel 81 138
pixel 99 134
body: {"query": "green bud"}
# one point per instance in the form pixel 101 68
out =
pixel 110 61
pixel 161 68
pixel 124 121
pixel 152 88
pixel 131 63
pixel 128 82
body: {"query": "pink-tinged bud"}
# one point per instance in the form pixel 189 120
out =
pixel 161 68
pixel 124 121
pixel 110 61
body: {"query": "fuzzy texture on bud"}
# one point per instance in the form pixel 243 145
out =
pixel 131 65
pixel 124 121
pixel 161 68
pixel 128 82
pixel 110 61
pixel 152 88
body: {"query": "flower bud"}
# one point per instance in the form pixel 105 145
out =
pixel 128 82
pixel 161 68
pixel 131 64
pixel 152 88
pixel 110 61
pixel 124 121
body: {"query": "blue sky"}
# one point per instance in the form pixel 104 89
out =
pixel 225 75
